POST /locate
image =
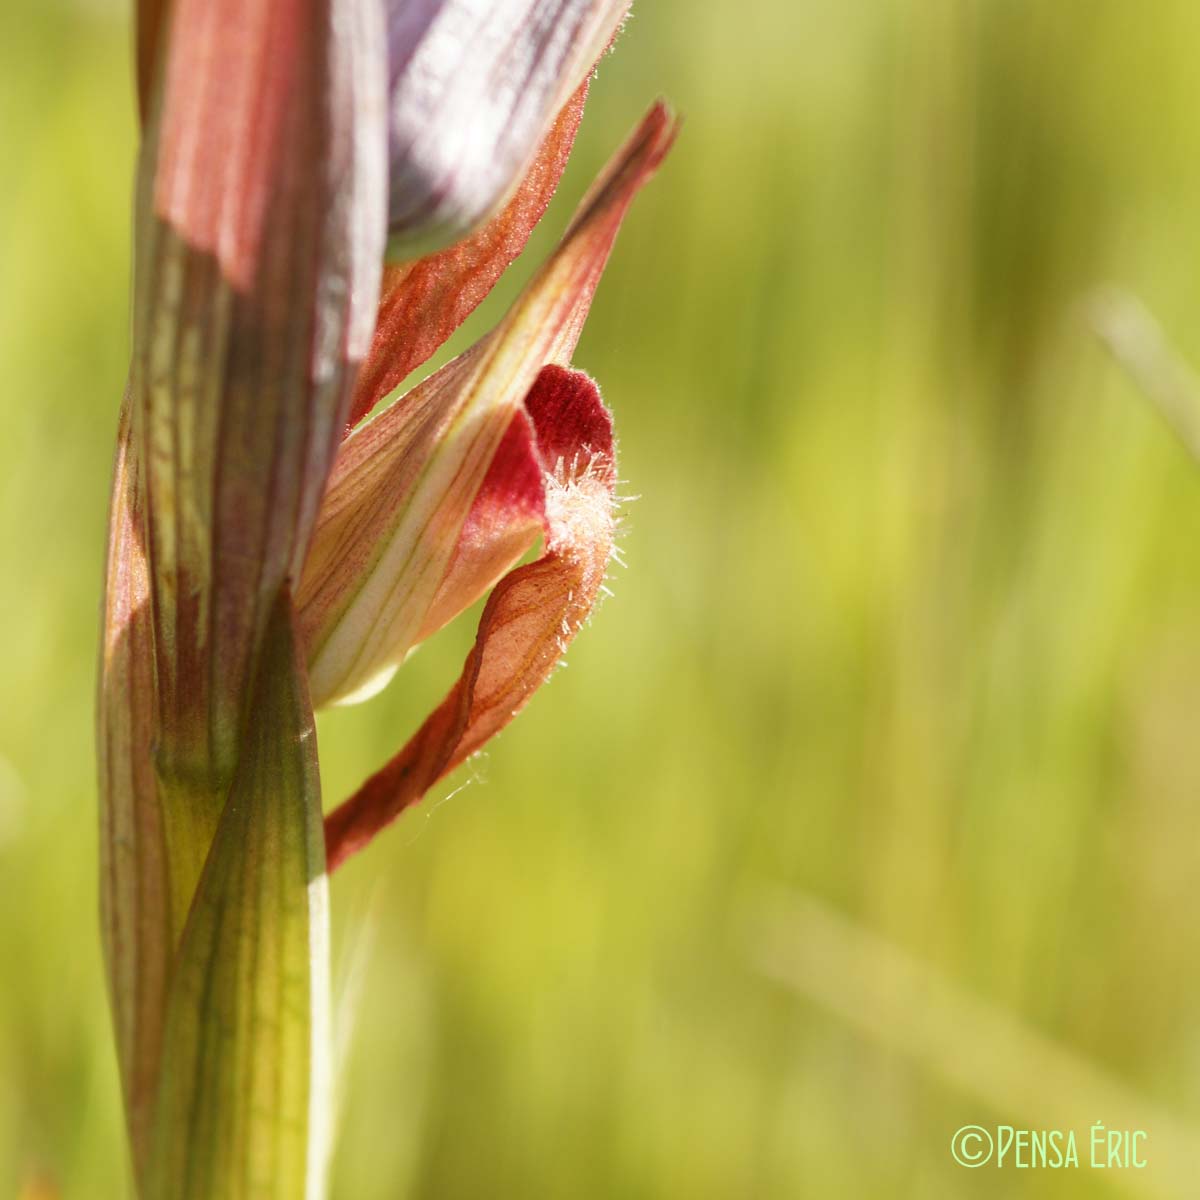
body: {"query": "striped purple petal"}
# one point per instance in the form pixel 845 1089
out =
pixel 474 85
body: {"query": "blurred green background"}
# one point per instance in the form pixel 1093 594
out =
pixel 870 805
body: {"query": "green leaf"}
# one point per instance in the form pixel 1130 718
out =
pixel 244 1072
pixel 135 870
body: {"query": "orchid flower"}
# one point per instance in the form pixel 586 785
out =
pixel 435 499
pixel 270 549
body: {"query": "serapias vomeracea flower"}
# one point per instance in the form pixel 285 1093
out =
pixel 430 503
pixel 270 549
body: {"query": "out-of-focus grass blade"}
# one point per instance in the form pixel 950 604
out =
pixel 245 1057
pixel 977 1048
pixel 1137 342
